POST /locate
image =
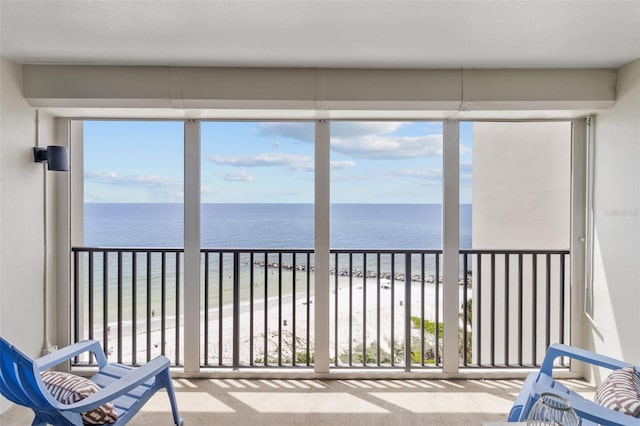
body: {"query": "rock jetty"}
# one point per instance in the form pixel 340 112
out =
pixel 355 272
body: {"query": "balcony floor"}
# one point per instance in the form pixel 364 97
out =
pixel 329 402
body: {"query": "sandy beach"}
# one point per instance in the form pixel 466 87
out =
pixel 357 302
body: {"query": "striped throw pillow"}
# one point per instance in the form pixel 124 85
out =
pixel 620 391
pixel 69 389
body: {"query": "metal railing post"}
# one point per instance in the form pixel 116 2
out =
pixel 236 310
pixel 407 312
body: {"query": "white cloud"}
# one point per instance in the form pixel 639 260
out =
pixel 466 167
pixel 342 165
pixel 155 181
pixel 298 163
pixel 430 174
pixel 358 129
pixel 207 190
pixel 352 177
pixel 304 132
pixel 102 177
pixel 236 176
pixel 142 180
pixel 291 161
pixel 159 188
pixel 364 139
pixel 464 149
pixel 385 147
pixel 434 175
pixel 466 172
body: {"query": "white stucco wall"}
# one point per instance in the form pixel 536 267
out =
pixel 521 201
pixel 21 217
pixel 616 264
pixel 521 183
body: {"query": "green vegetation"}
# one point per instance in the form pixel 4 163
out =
pixel 368 355
pixel 371 353
pixel 468 356
pixel 429 326
pixel 286 350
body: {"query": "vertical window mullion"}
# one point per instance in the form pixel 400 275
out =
pixel 192 246
pixel 451 243
pixel 322 247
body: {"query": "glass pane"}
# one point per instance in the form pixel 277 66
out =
pixel 465 330
pixel 386 232
pixel 257 185
pixel 386 185
pixel 131 298
pixel 466 184
pixel 133 183
pixel 257 196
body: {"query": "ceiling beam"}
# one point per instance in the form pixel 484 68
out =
pixel 321 91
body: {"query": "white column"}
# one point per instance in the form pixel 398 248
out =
pixel 450 244
pixel 63 284
pixel 578 231
pixel 192 246
pixel 322 246
pixel 71 209
pixel 76 172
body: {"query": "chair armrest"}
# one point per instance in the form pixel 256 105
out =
pixel 523 399
pixel 121 386
pixel 587 409
pixel 71 351
pixel 604 416
pixel 557 350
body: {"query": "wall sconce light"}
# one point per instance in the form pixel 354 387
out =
pixel 55 156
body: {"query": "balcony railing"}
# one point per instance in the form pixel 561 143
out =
pixel 256 308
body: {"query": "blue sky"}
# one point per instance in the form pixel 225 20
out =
pixel 270 162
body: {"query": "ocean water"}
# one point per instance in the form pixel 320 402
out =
pixel 270 226
pixel 250 226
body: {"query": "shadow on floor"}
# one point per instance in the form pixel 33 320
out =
pixel 328 402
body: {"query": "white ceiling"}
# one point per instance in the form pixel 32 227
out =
pixel 381 34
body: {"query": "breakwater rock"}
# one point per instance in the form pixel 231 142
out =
pixel 355 272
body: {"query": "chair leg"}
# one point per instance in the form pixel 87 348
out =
pixel 172 399
pixel 39 421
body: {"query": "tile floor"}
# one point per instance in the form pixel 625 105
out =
pixel 328 402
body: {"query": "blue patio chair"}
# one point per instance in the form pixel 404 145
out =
pixel 589 412
pixel 128 389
